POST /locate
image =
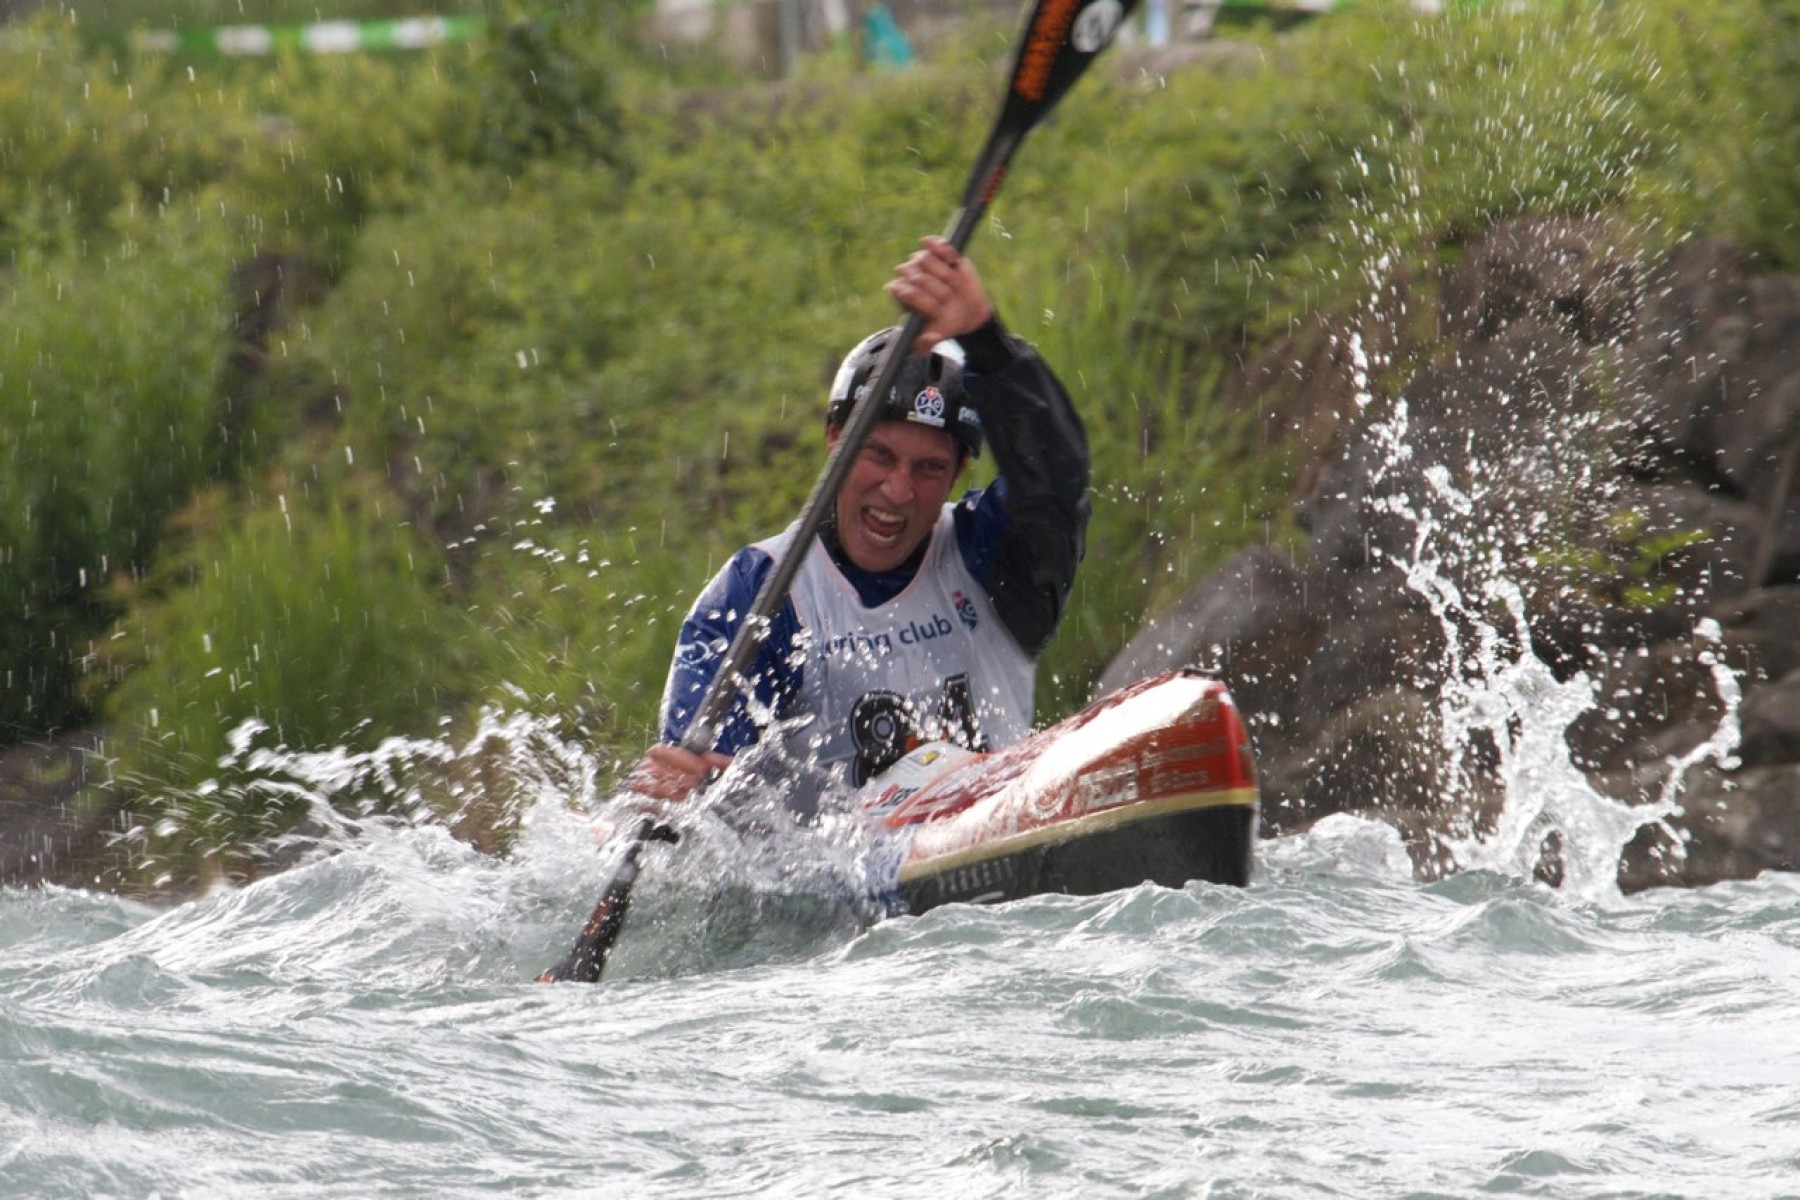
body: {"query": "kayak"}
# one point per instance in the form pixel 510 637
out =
pixel 1154 783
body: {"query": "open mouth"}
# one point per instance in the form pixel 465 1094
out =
pixel 882 526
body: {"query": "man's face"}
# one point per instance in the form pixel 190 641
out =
pixel 896 487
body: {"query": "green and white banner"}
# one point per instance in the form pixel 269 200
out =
pixel 322 37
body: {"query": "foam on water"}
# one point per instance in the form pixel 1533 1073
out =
pixel 363 1023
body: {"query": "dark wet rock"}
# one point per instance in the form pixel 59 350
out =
pixel 1771 724
pixel 1731 824
pixel 1251 622
pixel 1648 704
pixel 54 826
pixel 1762 631
pixel 1560 271
pixel 1345 670
pixel 1382 752
pixel 1624 439
pixel 1713 390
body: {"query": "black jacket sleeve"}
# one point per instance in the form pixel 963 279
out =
pixel 1041 450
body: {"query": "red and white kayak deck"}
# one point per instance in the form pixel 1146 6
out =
pixel 1155 783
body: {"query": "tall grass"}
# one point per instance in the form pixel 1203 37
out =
pixel 109 417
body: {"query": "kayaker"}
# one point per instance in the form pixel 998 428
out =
pixel 913 616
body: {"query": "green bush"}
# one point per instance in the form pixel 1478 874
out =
pixel 1179 482
pixel 108 420
pixel 1727 115
pixel 81 143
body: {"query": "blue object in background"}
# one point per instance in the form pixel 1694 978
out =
pixel 1156 22
pixel 887 44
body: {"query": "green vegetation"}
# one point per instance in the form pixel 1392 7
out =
pixel 1636 568
pixel 357 394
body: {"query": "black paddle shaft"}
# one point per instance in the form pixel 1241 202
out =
pixel 1061 37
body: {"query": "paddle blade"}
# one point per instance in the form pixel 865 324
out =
pixel 587 958
pixel 1060 39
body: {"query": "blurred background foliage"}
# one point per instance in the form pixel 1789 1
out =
pixel 357 393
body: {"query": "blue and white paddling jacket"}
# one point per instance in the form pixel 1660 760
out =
pixel 944 646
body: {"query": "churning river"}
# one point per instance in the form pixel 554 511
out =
pixel 365 1025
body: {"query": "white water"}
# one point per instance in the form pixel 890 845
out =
pixel 363 1025
pixel 1495 691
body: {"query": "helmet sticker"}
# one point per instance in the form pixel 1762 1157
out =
pixel 840 384
pixel 928 407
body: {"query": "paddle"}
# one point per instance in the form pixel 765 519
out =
pixel 1060 38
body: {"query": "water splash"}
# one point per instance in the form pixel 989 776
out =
pixel 1504 713
pixel 276 806
pixel 512 821
pixel 774 864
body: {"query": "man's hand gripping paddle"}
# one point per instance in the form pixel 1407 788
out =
pixel 1059 40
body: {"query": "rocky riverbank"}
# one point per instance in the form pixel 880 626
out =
pixel 1608 447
